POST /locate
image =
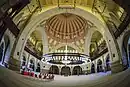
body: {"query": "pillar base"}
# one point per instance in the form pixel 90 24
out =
pixel 14 64
pixel 116 67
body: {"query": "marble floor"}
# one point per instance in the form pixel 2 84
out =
pixel 10 78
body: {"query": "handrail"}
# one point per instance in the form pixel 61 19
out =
pixel 32 53
pixel 68 54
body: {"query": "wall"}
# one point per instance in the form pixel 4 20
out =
pixel 30 57
pixel 120 41
pixel 81 11
pixel 102 58
pixel 8 36
pixel 85 66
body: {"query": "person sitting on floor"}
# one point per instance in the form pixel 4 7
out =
pixel 40 75
pixel 44 76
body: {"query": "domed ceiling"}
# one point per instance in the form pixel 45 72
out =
pixel 66 27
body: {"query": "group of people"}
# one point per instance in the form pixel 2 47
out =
pixel 44 76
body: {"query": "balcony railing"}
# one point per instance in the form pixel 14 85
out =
pixel 102 48
pixel 31 47
pixel 32 52
pixel 96 55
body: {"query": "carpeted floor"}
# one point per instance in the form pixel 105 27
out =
pixel 10 78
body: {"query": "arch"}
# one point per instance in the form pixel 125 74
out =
pixel 7 51
pixel 88 15
pixel 23 60
pixel 126 50
pixel 97 44
pixel 92 68
pixel 77 70
pixel 23 65
pixel 108 68
pixel 99 66
pixel 1 51
pixel 65 70
pixel 54 69
pixel 31 64
pixel 35 37
pixel 38 67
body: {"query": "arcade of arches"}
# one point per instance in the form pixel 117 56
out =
pixel 65 37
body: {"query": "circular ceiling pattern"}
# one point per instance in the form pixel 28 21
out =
pixel 66 27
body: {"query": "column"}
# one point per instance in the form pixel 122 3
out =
pixel 35 64
pixel 45 41
pixel 71 70
pixel 95 63
pixel 103 65
pixel 59 70
pixel 88 38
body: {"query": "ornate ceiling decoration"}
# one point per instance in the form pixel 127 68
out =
pixel 66 27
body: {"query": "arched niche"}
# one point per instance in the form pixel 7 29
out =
pixel 126 50
pixel 38 67
pixel 92 68
pixel 32 64
pixel 65 70
pixel 99 65
pixel 54 69
pixel 77 70
pixel 98 44
pixel 23 65
pixel 23 62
